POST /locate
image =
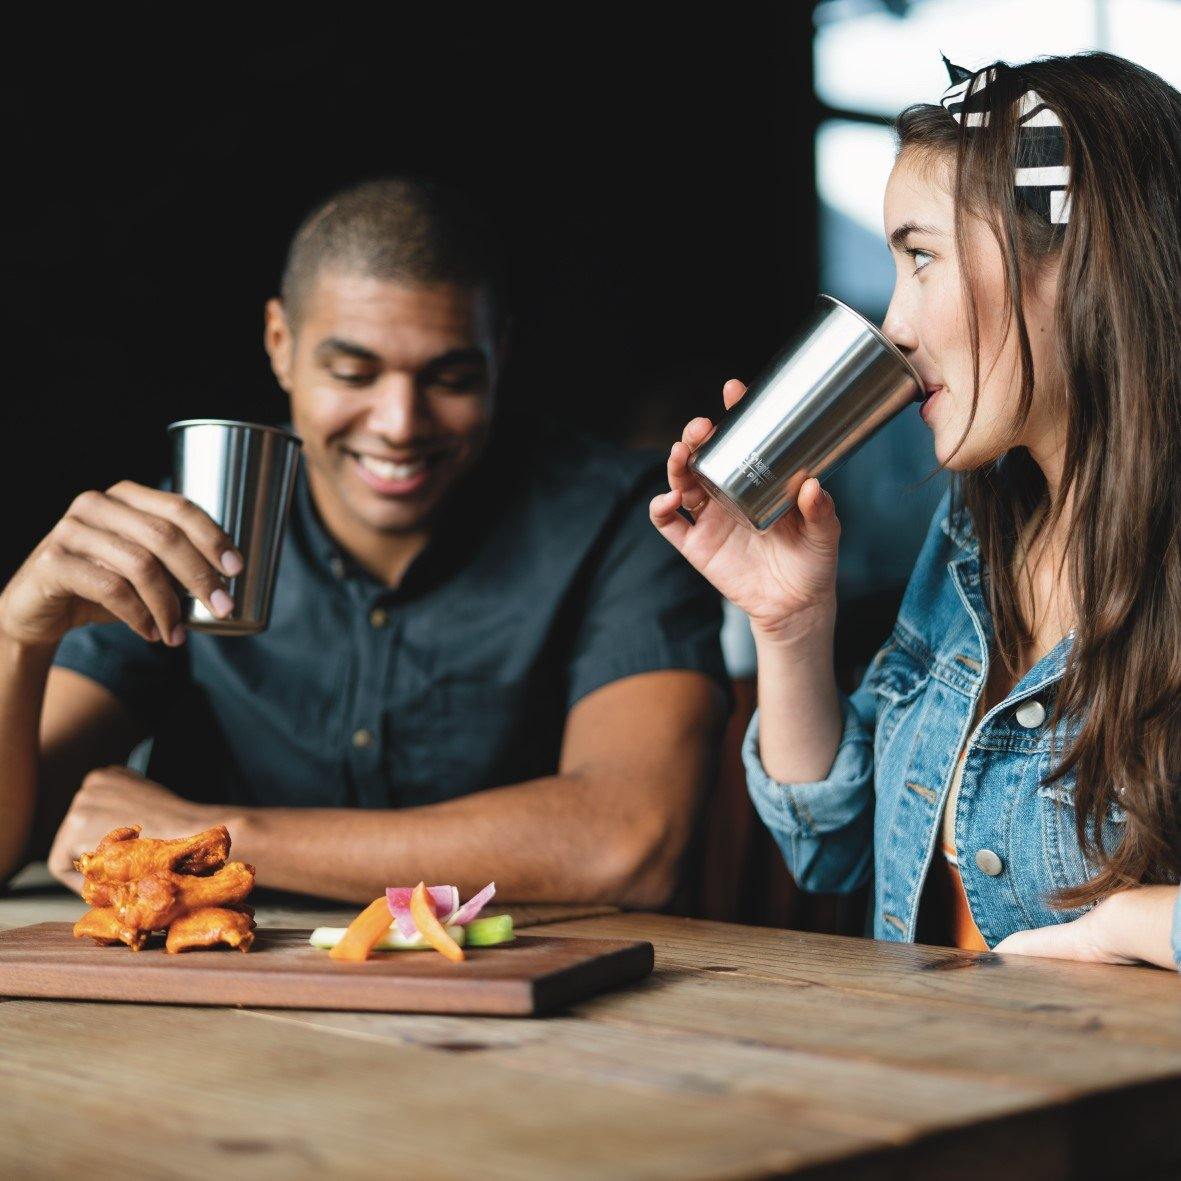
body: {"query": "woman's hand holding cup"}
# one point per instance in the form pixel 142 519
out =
pixel 784 579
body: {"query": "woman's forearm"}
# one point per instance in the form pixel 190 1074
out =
pixel 1141 921
pixel 24 670
pixel 800 721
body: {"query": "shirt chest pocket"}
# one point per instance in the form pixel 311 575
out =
pixel 1065 860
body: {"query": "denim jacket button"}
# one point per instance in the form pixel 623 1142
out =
pixel 988 862
pixel 1031 714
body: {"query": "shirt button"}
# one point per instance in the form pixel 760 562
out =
pixel 362 739
pixel 336 565
pixel 1031 714
pixel 988 862
pixel 379 617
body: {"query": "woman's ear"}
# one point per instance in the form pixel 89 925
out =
pixel 279 342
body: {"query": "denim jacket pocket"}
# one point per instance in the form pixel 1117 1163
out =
pixel 897 678
pixel 1068 865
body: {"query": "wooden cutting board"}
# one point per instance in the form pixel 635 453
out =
pixel 533 975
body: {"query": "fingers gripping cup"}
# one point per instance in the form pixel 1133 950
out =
pixel 832 387
pixel 242 475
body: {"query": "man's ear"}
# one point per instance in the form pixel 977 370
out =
pixel 279 342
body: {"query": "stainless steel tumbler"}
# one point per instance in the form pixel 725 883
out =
pixel 242 475
pixel 833 386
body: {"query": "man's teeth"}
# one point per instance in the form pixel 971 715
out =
pixel 387 469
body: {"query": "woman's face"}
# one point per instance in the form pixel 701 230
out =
pixel 928 321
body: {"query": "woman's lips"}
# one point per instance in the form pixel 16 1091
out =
pixel 931 394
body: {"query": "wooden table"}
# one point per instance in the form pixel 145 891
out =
pixel 748 1053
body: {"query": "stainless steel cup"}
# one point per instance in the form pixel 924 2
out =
pixel 242 475
pixel 833 386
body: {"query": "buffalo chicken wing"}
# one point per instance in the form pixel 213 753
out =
pixel 140 885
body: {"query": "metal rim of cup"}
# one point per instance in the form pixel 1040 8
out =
pixel 881 338
pixel 254 426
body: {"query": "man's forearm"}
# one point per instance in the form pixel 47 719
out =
pixel 563 837
pixel 23 673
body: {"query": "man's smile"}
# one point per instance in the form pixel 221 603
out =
pixel 389 476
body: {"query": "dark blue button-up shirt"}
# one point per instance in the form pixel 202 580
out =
pixel 543 581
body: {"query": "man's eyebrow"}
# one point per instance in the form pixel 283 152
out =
pixel 899 236
pixel 468 356
pixel 335 345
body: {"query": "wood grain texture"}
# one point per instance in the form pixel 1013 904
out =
pixel 747 1053
pixel 115 1091
pixel 1140 1004
pixel 532 975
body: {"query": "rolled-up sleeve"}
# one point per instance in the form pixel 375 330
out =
pixel 645 608
pixel 825 828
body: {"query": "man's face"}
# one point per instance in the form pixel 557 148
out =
pixel 391 391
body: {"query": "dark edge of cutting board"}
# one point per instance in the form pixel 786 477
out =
pixel 229 978
pixel 629 961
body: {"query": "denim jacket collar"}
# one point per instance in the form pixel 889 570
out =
pixel 968 576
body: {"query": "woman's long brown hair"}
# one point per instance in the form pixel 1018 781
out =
pixel 1118 319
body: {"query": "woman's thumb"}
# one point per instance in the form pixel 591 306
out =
pixel 822 529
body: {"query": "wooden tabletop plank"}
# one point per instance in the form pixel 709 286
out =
pixel 880 1101
pixel 1140 1004
pixel 182 1092
pixel 1001 1047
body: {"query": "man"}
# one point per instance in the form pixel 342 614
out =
pixel 482 662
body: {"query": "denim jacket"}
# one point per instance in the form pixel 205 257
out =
pixel 880 806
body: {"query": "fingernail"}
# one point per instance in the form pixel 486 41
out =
pixel 221 603
pixel 231 562
pixel 178 636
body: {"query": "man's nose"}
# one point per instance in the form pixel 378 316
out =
pixel 395 408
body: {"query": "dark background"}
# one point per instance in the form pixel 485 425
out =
pixel 652 171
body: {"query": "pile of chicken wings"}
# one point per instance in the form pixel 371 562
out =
pixel 186 887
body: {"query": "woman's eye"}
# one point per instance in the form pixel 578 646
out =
pixel 921 258
pixel 352 378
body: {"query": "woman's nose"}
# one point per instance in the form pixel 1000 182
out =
pixel 898 329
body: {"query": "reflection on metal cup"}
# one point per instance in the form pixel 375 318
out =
pixel 833 386
pixel 242 475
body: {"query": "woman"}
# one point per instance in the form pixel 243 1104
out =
pixel 1009 768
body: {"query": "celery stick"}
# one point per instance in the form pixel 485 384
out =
pixel 490 931
pixel 393 940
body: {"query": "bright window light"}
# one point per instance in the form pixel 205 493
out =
pixel 853 162
pixel 866 59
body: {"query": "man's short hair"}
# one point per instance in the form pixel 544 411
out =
pixel 406 230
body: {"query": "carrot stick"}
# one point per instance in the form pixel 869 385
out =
pixel 428 923
pixel 364 931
